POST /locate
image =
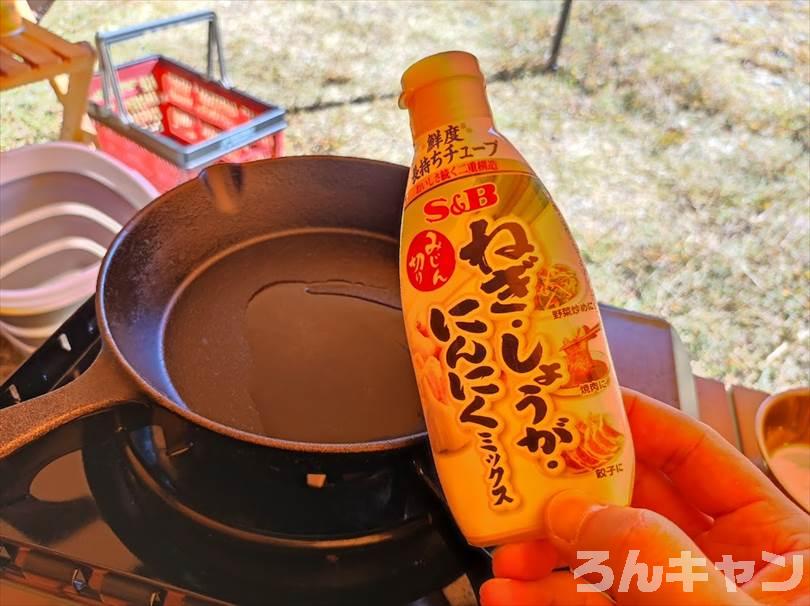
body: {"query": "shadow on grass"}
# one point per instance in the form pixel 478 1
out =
pixel 504 75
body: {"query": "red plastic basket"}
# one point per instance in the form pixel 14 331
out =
pixel 175 120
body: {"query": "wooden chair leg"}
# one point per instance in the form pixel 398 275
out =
pixel 60 85
pixel 74 103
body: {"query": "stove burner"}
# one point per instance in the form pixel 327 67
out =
pixel 218 526
pixel 265 493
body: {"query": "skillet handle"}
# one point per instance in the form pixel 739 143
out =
pixel 101 386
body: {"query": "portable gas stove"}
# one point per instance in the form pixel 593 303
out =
pixel 133 507
pixel 136 506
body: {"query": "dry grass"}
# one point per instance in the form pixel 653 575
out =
pixel 676 136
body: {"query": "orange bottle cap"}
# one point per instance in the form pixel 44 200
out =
pixel 450 64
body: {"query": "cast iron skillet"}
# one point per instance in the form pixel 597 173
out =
pixel 260 301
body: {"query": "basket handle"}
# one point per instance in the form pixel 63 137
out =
pixel 109 76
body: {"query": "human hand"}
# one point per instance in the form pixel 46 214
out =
pixel 693 492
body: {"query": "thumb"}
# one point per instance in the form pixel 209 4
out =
pixel 636 555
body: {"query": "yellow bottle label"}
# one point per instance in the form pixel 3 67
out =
pixel 506 338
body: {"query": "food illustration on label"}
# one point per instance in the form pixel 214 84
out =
pixel 480 354
pixel 463 336
pixel 556 286
pixel 585 367
pixel 600 443
pixel 441 415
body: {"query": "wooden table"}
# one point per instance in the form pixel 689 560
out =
pixel 36 54
pixel 650 358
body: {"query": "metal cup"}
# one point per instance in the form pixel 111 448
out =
pixel 783 436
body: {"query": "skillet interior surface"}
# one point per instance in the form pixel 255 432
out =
pixel 298 337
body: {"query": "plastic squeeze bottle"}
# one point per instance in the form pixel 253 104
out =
pixel 519 393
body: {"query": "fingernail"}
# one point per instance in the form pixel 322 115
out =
pixel 566 512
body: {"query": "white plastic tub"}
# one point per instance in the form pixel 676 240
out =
pixel 60 206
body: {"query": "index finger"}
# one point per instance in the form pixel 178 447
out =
pixel 706 469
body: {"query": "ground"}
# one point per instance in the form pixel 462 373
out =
pixel 675 136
